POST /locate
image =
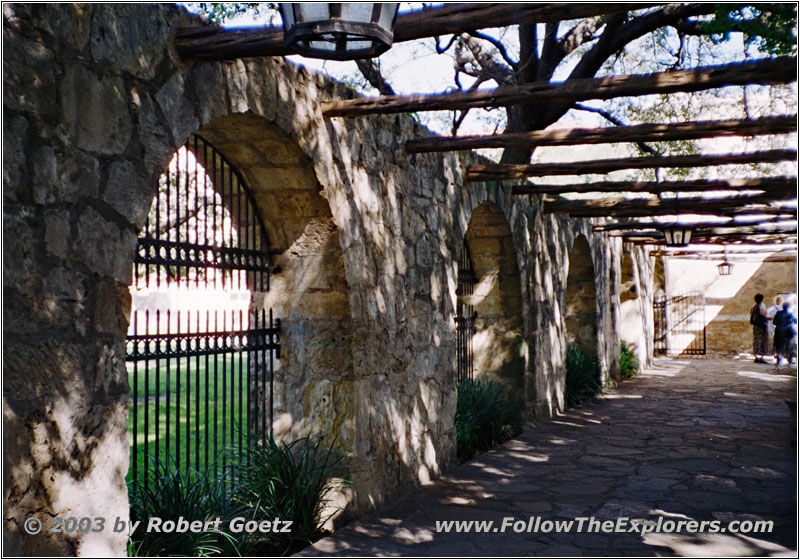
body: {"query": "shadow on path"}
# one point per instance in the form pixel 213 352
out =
pixel 686 441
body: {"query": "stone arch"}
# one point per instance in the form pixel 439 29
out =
pixel 308 291
pixel 581 297
pixel 496 299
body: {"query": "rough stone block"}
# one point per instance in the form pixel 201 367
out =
pixel 95 110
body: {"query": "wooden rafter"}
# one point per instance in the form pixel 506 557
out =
pixel 217 43
pixel 727 240
pixel 775 185
pixel 632 225
pixel 702 233
pixel 635 133
pixel 652 207
pixel 501 172
pixel 767 71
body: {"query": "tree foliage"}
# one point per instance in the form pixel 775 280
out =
pixel 771 28
pixel 657 38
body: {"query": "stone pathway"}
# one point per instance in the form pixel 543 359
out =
pixel 704 440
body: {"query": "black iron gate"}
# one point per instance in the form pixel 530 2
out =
pixel 465 316
pixel 200 372
pixel 680 325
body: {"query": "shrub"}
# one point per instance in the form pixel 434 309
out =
pixel 628 365
pixel 486 415
pixel 172 493
pixel 290 482
pixel 583 375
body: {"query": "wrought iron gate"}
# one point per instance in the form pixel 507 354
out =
pixel 465 316
pixel 680 325
pixel 200 375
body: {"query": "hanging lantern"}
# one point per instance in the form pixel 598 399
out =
pixel 346 31
pixel 725 267
pixel 677 235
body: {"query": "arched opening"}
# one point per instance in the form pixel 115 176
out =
pixel 313 384
pixel 581 295
pixel 200 355
pixel 268 249
pixel 497 339
pixel 583 377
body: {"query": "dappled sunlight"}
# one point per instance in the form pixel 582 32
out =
pixel 711 545
pixel 612 396
pixel 766 376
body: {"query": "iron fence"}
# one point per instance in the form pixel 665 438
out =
pixel 680 325
pixel 201 375
pixel 465 316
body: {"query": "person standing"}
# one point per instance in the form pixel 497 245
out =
pixel 771 312
pixel 758 318
pixel 785 331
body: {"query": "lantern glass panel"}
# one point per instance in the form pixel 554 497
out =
pixel 388 11
pixel 313 11
pixel 357 11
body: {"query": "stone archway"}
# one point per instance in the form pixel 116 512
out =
pixel 308 291
pixel 581 297
pixel 496 299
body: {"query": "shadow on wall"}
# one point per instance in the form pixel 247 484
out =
pixel 581 295
pixel 496 298
pixel 728 299
pixel 308 292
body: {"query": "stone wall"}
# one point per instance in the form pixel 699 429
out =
pixel 95 104
pixel 729 298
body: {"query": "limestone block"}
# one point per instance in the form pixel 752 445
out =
pixel 57 233
pixel 154 135
pixel 44 175
pixel 95 110
pixel 104 247
pixel 177 109
pixel 119 40
pixel 29 71
pixel 127 192
pixel 15 137
pixel 79 175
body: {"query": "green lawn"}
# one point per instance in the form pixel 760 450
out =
pixel 212 410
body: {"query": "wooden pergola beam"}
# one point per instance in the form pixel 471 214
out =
pixel 766 71
pixel 502 172
pixel 217 43
pixel 729 240
pixel 606 135
pixel 621 226
pixel 775 185
pixel 604 207
pixel 703 233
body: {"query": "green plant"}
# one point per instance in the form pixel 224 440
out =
pixel 583 375
pixel 290 482
pixel 628 364
pixel 486 415
pixel 171 494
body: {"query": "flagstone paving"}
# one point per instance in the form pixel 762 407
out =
pixel 704 440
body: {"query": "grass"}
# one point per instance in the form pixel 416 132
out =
pixel 583 375
pixel 486 415
pixel 628 364
pixel 212 414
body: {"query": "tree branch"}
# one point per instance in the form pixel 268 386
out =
pixel 616 122
pixel 372 73
pixel 501 48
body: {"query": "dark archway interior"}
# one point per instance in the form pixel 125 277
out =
pixel 580 300
pixel 498 341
